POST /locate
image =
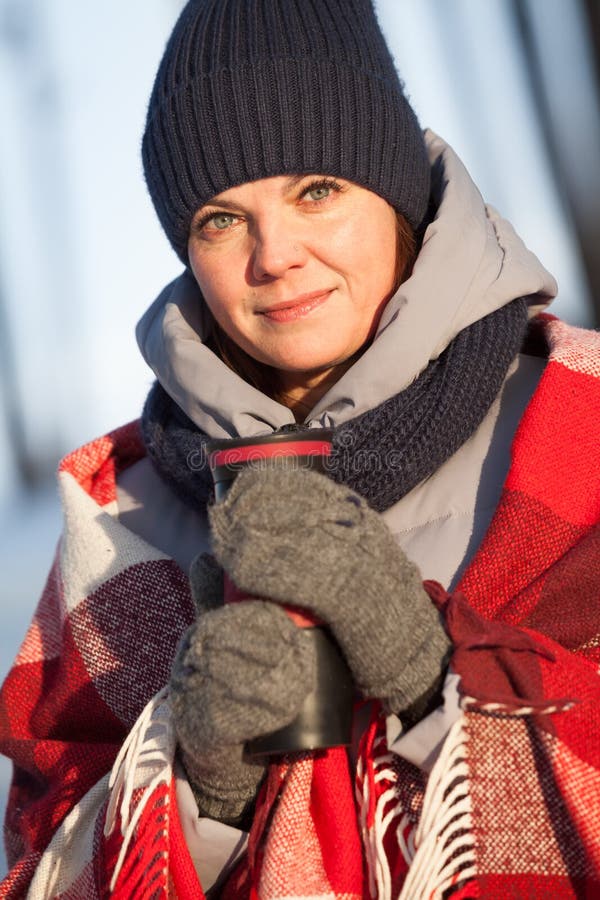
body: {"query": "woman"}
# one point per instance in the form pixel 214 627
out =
pixel 342 271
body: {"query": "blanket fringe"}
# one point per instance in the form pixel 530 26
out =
pixel 444 840
pixel 376 814
pixel 143 767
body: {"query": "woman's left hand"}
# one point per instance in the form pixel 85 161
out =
pixel 296 537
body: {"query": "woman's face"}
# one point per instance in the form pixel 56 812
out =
pixel 296 269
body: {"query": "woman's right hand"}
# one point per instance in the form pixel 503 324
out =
pixel 241 671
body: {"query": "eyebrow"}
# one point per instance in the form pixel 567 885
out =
pixel 215 201
pixel 291 182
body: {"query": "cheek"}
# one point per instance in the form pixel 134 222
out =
pixel 217 283
pixel 367 255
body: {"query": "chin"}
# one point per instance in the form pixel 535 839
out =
pixel 295 359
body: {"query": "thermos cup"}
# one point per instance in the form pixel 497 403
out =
pixel 325 720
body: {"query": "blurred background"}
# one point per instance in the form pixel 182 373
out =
pixel 513 85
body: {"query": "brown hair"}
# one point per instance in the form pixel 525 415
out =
pixel 265 377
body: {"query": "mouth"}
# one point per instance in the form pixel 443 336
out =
pixel 297 307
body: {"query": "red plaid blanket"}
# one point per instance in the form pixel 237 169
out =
pixel 512 807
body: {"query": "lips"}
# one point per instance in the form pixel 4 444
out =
pixel 296 308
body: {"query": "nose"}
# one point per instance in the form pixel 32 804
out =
pixel 276 249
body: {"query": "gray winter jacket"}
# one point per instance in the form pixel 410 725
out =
pixel 471 263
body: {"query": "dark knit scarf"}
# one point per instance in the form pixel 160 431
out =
pixel 383 453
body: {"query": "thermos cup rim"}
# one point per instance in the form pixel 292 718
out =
pixel 309 448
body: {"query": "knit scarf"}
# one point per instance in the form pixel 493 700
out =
pixel 398 443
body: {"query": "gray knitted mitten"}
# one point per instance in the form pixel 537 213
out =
pixel 299 538
pixel 240 671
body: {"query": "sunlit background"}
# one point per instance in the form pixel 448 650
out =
pixel 511 84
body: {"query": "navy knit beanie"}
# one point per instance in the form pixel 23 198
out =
pixel 248 89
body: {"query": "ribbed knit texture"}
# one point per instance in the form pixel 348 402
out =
pixel 249 89
pixel 388 450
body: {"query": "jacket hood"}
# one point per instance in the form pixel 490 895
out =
pixel 470 264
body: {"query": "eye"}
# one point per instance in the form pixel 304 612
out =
pixel 320 190
pixel 214 221
pixel 319 193
pixel 221 221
